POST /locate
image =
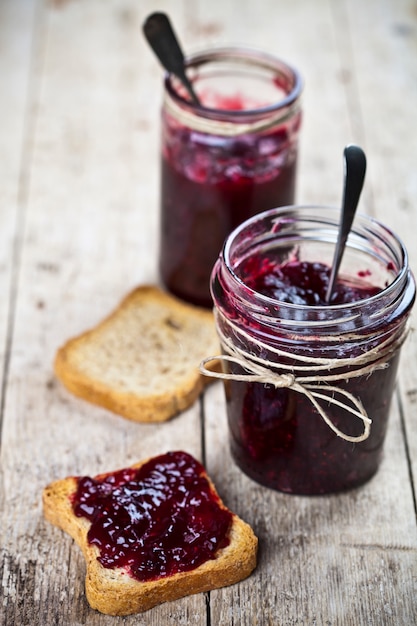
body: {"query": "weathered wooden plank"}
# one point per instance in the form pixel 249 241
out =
pixel 17 21
pixel 16 27
pixel 384 38
pixel 90 236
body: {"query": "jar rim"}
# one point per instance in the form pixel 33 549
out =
pixel 389 292
pixel 247 55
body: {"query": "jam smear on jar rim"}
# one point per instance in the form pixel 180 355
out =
pixel 155 521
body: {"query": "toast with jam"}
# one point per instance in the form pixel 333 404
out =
pixel 151 533
pixel 141 362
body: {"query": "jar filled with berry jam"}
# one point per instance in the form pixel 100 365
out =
pixel 309 384
pixel 223 160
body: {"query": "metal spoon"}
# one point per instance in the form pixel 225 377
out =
pixel 355 168
pixel 160 35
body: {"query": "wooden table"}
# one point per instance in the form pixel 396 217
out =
pixel 79 103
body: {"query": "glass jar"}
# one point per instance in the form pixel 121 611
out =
pixel 224 161
pixel 308 387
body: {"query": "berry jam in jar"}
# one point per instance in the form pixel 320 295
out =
pixel 223 161
pixel 308 384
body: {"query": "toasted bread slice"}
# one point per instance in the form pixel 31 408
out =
pixel 115 590
pixel 142 361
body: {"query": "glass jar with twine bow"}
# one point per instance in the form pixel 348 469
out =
pixel 309 387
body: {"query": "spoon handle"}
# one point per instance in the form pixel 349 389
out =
pixel 161 37
pixel 355 168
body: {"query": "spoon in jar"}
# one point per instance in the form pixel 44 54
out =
pixel 161 37
pixel 355 168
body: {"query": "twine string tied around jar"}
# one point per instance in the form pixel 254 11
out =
pixel 315 387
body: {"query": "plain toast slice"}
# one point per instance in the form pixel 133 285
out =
pixel 142 361
pixel 115 591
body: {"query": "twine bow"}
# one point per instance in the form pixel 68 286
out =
pixel 315 387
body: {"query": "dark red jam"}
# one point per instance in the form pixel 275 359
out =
pixel 209 185
pixel 277 436
pixel 154 521
pixel 301 282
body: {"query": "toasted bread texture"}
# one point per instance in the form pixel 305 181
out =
pixel 115 591
pixel 141 362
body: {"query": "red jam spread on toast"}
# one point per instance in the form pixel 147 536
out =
pixel 155 521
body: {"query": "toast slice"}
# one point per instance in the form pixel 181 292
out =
pixel 127 589
pixel 142 361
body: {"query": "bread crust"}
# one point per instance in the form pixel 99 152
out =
pixel 115 592
pixel 141 361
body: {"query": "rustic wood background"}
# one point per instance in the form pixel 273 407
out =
pixel 79 107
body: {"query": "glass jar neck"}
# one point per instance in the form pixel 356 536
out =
pixel 236 115
pixel 372 249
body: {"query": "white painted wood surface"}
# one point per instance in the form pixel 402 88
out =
pixel 79 128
